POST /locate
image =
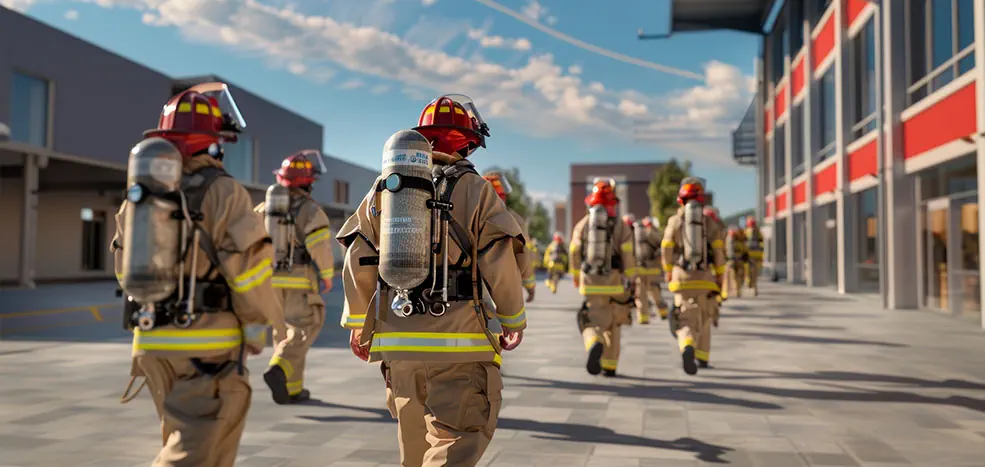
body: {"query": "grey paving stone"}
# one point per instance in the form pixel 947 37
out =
pixel 801 377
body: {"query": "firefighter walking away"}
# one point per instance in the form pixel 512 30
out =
pixel 693 278
pixel 736 257
pixel 646 236
pixel 556 261
pixel 303 269
pixel 525 260
pixel 429 242
pixel 754 246
pixel 195 264
pixel 603 268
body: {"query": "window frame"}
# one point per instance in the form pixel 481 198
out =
pixel 934 77
pixel 830 148
pixel 49 120
pixel 859 54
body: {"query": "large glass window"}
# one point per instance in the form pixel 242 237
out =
pixel 796 140
pixel 867 238
pixel 778 40
pixel 820 7
pixel 941 35
pixel 795 10
pixel 780 155
pixel 863 72
pixel 828 117
pixel 29 110
pixel 239 159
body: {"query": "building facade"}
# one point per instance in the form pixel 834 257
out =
pixel 560 217
pixel 632 182
pixel 63 169
pixel 871 116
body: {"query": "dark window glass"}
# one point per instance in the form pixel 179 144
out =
pixel 28 110
pixel 779 142
pixel 966 34
pixel 828 116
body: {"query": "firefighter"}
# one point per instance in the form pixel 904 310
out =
pixel 736 258
pixel 440 357
pixel 526 260
pixel 556 261
pixel 194 261
pixel 603 268
pixel 304 263
pixel 754 247
pixel 649 272
pixel 694 263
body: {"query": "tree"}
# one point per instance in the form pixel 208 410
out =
pixel 663 189
pixel 539 224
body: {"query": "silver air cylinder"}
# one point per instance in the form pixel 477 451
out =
pixel 276 212
pixel 151 236
pixel 643 249
pixel 405 219
pixel 597 246
pixel 694 232
pixel 730 246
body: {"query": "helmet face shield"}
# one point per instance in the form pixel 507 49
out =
pixel 607 180
pixel 220 92
pixel 316 157
pixel 469 105
pixel 694 181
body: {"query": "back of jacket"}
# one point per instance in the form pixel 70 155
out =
pixel 461 334
pixel 311 232
pixel 526 259
pixel 672 247
pixel 652 265
pixel 754 239
pixel 614 283
pixel 245 257
pixel 556 257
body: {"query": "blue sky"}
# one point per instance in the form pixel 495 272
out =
pixel 365 68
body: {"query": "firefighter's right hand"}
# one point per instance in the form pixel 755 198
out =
pixel 326 285
pixel 530 293
pixel 667 277
pixel 359 351
pixel 510 340
pixel 576 280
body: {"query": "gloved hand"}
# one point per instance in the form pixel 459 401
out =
pixel 326 286
pixel 667 278
pixel 510 340
pixel 576 280
pixel 530 293
pixel 359 351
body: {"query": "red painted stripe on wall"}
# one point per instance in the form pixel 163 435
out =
pixel 800 193
pixel 824 43
pixel 853 8
pixel 951 118
pixel 863 162
pixel 781 201
pixel 769 208
pixel 826 180
pixel 781 101
pixel 797 78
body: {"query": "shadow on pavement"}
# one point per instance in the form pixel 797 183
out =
pixel 573 432
pixel 814 339
pixel 845 376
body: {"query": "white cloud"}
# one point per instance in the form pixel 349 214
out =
pixel 379 89
pixel 499 42
pixel 71 15
pixel 538 97
pixel 297 68
pixel 428 2
pixel 534 10
pixel 575 69
pixel 415 94
pixel 547 199
pixel 552 20
pixel 18 5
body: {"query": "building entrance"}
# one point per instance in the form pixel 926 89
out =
pixel 951 274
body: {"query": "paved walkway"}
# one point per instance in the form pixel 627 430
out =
pixel 801 378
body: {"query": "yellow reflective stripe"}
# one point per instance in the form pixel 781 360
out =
pixel 187 339
pixel 649 271
pixel 701 355
pixel 431 342
pixel 626 247
pixel 687 341
pixel 253 277
pixel 668 267
pixel 327 273
pixel 590 341
pixel 574 271
pixel 285 365
pixel 513 321
pixel 610 364
pixel 530 281
pixel 255 334
pixel 354 321
pixel 203 109
pixel 119 277
pixel 631 271
pixel 316 237
pixel 755 254
pixel 216 112
pixel 717 244
pixel 667 244
pixel 291 282
pixel 184 107
pixel 295 387
pixel 676 286
pixel 574 248
pixel 601 289
pixel 720 269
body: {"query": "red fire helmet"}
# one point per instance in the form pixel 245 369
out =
pixel 453 125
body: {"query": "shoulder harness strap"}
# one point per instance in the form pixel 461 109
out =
pixel 451 174
pixel 195 186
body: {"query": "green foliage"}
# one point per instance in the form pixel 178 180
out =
pixel 663 189
pixel 539 225
pixel 537 216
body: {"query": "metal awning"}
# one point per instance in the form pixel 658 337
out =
pixel 744 138
pixel 709 15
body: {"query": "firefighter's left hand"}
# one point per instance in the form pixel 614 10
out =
pixel 359 351
pixel 530 293
pixel 326 285
pixel 510 340
pixel 715 322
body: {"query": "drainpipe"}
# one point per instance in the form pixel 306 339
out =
pixel 881 223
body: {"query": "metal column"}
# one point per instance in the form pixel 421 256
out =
pixel 29 222
pixel 847 218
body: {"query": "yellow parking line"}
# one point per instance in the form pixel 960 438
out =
pixel 95 313
pixel 94 309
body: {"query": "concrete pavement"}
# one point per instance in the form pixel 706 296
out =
pixel 801 378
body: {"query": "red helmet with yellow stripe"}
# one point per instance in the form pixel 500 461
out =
pixel 500 183
pixel 300 169
pixel 195 123
pixel 453 125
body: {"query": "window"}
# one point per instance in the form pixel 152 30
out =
pixel 780 155
pixel 820 8
pixel 239 159
pixel 828 116
pixel 796 13
pixel 93 239
pixel 797 149
pixel 863 72
pixel 941 35
pixel 29 110
pixel 868 244
pixel 779 48
pixel 342 192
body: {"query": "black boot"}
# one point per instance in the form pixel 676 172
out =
pixel 703 364
pixel 609 373
pixel 277 382
pixel 594 363
pixel 302 396
pixel 687 359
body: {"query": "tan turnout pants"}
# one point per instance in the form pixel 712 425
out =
pixel 604 321
pixel 697 313
pixel 446 412
pixel 202 416
pixel 304 312
pixel 736 277
pixel 647 289
pixel 752 275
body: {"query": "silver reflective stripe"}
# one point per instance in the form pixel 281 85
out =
pixel 410 343
pixel 254 331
